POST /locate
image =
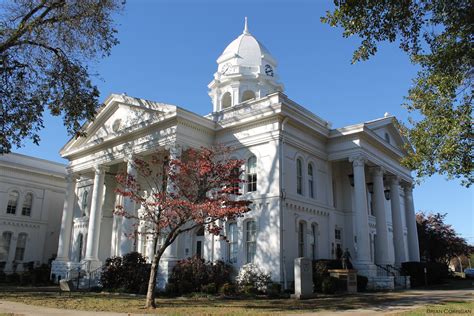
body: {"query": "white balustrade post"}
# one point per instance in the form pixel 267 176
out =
pixel 413 246
pixel 93 231
pixel 66 220
pixel 398 238
pixel 381 242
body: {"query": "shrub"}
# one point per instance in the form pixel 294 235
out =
pixel 210 288
pixel 274 290
pixel 328 285
pixel 129 273
pixel 436 272
pixel 192 274
pixel 320 271
pixel 251 276
pixel 227 289
pixel 362 283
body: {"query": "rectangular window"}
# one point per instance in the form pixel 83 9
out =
pixel 20 247
pixel 299 176
pixel 5 245
pixel 234 175
pixel 301 244
pixel 252 174
pixel 337 234
pixel 26 209
pixel 251 241
pixel 233 237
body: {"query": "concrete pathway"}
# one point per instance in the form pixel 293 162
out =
pixel 407 300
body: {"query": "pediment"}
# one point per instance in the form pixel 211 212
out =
pixel 119 116
pixel 386 129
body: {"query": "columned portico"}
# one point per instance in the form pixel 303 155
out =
pixel 93 232
pixel 398 239
pixel 381 242
pixel 413 247
pixel 361 213
pixel 128 224
pixel 66 220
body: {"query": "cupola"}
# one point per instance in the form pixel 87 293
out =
pixel 245 71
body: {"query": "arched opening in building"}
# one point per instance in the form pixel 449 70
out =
pixel 248 95
pixel 226 100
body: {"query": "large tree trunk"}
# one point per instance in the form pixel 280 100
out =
pixel 150 295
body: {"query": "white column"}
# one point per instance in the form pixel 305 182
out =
pixel 66 220
pixel 95 217
pixel 128 224
pixel 413 247
pixel 398 238
pixel 361 212
pixel 381 241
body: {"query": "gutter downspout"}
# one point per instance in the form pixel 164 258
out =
pixel 282 199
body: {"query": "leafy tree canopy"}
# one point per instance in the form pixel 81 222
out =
pixel 437 36
pixel 438 241
pixel 45 47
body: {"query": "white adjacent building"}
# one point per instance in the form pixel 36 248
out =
pixel 314 188
pixel 32 193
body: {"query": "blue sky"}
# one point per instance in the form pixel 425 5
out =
pixel 168 49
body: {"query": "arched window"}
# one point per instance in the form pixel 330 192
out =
pixel 27 204
pixel 12 202
pixel 314 241
pixel 5 245
pixel 232 238
pixel 85 203
pixel 248 95
pixel 252 174
pixel 301 239
pixel 299 176
pixel 310 181
pixel 250 240
pixel 20 247
pixel 80 246
pixel 226 100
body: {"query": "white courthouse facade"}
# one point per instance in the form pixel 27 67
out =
pixel 314 188
pixel 32 193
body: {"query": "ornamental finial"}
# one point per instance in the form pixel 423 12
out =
pixel 246 29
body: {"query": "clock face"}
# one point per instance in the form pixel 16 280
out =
pixel 269 70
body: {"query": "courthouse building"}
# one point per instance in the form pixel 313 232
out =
pixel 32 193
pixel 314 188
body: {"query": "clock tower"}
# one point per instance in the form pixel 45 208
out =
pixel 246 71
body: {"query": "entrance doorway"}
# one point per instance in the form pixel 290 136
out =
pixel 199 242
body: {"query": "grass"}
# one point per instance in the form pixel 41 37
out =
pixel 447 308
pixel 381 301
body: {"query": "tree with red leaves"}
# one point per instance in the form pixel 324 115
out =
pixel 177 195
pixel 438 241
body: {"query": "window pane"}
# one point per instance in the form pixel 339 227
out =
pixel 299 177
pixel 26 210
pixel 20 247
pixel 5 245
pixel 233 242
pixel 12 202
pixel 251 244
pixel 252 174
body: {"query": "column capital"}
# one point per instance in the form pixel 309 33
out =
pixel 358 160
pixel 377 171
pixel 99 169
pixel 393 180
pixel 71 176
pixel 407 186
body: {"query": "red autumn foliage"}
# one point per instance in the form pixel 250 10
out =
pixel 177 195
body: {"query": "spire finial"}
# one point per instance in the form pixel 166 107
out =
pixel 246 29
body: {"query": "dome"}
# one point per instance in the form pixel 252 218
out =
pixel 247 49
